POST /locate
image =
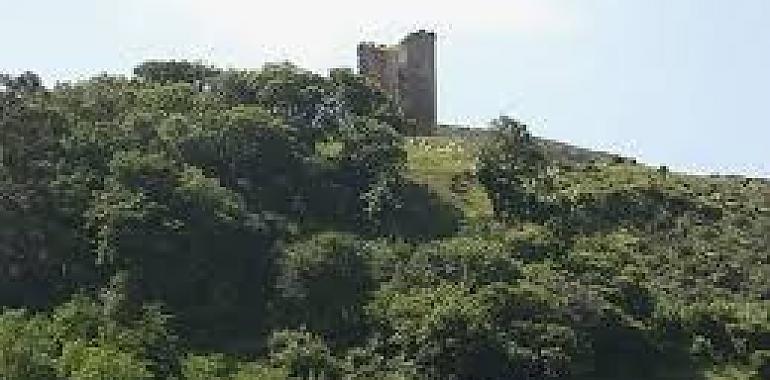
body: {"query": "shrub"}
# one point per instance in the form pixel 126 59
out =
pixel 80 361
pixel 28 349
pixel 514 171
pixel 303 354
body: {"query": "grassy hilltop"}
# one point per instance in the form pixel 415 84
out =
pixel 190 222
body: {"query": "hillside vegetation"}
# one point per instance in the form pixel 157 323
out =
pixel 190 222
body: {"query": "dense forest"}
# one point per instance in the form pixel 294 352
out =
pixel 190 222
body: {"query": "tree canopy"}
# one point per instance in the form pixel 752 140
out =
pixel 192 222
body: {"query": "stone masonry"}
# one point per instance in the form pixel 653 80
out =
pixel 407 71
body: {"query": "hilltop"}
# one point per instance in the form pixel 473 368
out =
pixel 190 222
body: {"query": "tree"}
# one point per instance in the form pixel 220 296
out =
pixel 40 260
pixel 322 284
pixel 175 71
pixel 514 171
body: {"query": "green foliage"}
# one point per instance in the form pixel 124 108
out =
pixel 668 255
pixel 495 332
pixel 514 171
pixel 139 335
pixel 82 362
pixel 198 223
pixel 470 260
pixel 368 362
pixel 27 348
pixel 303 354
pixel 87 338
pixel 188 187
pixel 36 235
pixel 198 367
pixel 761 360
pixel 219 367
pixel 175 71
pixel 323 283
pixel 252 371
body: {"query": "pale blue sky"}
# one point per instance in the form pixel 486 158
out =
pixel 684 83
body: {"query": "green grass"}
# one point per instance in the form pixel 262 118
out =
pixel 446 165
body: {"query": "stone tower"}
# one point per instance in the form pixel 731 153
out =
pixel 407 71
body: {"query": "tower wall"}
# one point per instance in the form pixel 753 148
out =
pixel 380 63
pixel 407 71
pixel 417 81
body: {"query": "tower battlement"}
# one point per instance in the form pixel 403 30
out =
pixel 407 71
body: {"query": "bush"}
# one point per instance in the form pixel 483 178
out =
pixel 303 354
pixel 28 349
pixel 82 362
pixel 450 331
pixel 322 284
pixel 206 367
pixel 114 322
pixel 253 371
pixel 514 171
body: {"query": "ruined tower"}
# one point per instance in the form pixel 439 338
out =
pixel 407 71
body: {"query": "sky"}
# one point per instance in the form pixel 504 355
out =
pixel 682 83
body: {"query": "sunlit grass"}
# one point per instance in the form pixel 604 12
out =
pixel 447 166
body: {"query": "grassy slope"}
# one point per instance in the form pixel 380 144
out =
pixel 445 165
